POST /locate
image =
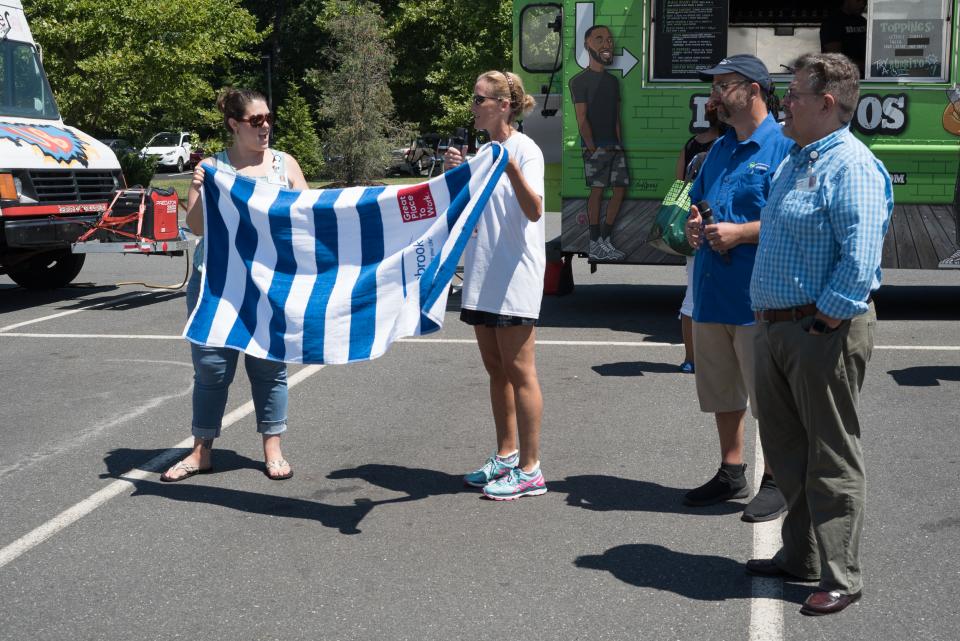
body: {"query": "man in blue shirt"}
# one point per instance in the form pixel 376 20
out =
pixel 735 181
pixel 821 240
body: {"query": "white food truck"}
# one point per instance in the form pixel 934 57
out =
pixel 55 180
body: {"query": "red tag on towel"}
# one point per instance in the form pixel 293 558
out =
pixel 416 203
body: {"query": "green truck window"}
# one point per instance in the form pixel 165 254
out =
pixel 539 41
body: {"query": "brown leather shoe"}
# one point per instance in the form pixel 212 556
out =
pixel 767 567
pixel 820 603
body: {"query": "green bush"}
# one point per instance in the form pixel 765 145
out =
pixel 296 134
pixel 355 95
pixel 212 145
pixel 137 170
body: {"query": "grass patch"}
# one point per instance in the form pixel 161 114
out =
pixel 181 185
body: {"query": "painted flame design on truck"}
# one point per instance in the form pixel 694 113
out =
pixel 53 142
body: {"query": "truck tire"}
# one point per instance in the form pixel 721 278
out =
pixel 48 271
pixel 179 165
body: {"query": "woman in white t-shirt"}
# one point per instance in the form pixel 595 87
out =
pixel 502 289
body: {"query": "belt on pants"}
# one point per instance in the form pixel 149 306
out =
pixel 787 314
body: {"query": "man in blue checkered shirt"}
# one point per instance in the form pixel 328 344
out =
pixel 818 260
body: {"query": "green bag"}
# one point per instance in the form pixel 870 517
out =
pixel 666 234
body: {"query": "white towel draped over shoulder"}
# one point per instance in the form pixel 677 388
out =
pixel 334 275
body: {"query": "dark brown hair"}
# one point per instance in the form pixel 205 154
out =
pixel 232 103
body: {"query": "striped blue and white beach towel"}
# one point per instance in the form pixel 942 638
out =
pixel 335 275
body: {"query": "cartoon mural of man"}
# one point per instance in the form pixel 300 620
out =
pixel 596 98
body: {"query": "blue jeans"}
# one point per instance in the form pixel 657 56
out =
pixel 213 371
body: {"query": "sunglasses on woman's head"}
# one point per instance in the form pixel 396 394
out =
pixel 258 120
pixel 479 100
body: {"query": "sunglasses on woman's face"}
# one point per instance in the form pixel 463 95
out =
pixel 258 120
pixel 479 100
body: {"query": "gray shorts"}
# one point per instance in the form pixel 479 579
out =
pixel 606 167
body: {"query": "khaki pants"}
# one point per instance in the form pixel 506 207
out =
pixel 725 362
pixel 808 388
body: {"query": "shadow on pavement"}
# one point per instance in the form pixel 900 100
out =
pixel 123 459
pixel 15 299
pixel 925 375
pixel 905 302
pixel 591 492
pixel 635 368
pixel 702 577
pixel 608 493
pixel 416 483
pixel 345 518
pixel 649 311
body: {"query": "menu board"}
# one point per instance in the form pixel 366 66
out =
pixel 907 49
pixel 690 35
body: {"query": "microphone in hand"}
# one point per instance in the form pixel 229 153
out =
pixel 706 212
pixel 459 141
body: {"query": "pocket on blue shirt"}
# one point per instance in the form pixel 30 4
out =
pixel 750 196
pixel 803 213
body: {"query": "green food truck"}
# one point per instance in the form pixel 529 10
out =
pixel 908 114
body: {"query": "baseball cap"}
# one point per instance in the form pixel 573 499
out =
pixel 750 67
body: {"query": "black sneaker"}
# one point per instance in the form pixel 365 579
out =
pixel 767 505
pixel 729 482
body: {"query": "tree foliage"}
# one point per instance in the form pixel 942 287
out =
pixel 132 67
pixel 442 47
pixel 128 67
pixel 355 96
pixel 296 134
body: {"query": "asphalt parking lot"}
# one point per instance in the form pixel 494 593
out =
pixel 376 538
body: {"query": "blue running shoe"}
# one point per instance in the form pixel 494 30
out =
pixel 687 367
pixel 494 468
pixel 516 484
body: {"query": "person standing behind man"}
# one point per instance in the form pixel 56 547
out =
pixel 698 145
pixel 596 99
pixel 821 241
pixel 735 181
pixel 845 31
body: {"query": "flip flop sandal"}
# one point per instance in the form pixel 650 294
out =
pixel 190 470
pixel 276 465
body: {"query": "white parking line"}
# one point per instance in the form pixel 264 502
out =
pixel 148 337
pixel 73 514
pixel 449 341
pixel 90 432
pixel 766 601
pixel 72 311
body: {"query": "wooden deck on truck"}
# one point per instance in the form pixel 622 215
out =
pixel 919 237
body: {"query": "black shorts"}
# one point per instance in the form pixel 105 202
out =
pixel 489 319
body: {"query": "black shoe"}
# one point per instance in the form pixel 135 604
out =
pixel 769 568
pixel 729 482
pixel 767 505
